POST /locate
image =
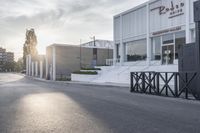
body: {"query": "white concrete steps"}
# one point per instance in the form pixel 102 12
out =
pixel 121 74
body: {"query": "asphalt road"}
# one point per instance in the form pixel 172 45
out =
pixel 28 106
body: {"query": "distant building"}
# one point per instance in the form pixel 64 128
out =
pixel 9 57
pixel 6 58
pixel 105 44
pixel 63 59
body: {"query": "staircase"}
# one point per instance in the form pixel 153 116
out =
pixel 121 74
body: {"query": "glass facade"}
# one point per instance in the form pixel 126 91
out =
pixel 166 47
pixel 167 39
pixel 163 48
pixel 117 49
pixel 156 48
pixel 136 50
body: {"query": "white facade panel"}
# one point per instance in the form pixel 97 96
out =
pixel 134 22
pixel 117 29
pixel 162 16
pixel 155 18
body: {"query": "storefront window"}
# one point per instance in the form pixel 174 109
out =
pixel 156 48
pixel 168 39
pixel 136 50
pixel 117 48
pixel 179 41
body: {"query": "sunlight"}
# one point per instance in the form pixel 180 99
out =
pixel 51 112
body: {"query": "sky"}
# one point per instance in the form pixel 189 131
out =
pixel 58 21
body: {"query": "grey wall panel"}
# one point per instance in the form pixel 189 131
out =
pixel 134 23
pixel 67 60
pixel 117 28
pixel 102 55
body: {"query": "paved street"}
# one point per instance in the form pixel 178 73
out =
pixel 28 105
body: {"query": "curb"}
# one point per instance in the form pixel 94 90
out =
pixel 80 83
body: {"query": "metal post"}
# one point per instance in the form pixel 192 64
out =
pixel 143 82
pixel 158 83
pixel 131 82
pixel 150 83
pixel 166 88
pixel 176 84
pixel 186 89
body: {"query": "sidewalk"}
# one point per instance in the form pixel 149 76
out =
pixel 83 83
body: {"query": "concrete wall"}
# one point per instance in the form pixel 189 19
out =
pixel 86 57
pixel 67 60
pixel 49 62
pixel 102 55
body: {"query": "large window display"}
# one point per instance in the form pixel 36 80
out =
pixel 117 49
pixel 166 47
pixel 156 48
pixel 136 50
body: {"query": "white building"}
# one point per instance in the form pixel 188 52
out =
pixel 153 32
pixel 104 44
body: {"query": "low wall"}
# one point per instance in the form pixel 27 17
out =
pixel 83 77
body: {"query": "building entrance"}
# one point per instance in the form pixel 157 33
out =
pixel 168 54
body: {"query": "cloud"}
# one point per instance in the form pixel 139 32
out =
pixel 58 21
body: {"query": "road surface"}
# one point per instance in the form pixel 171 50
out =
pixel 28 106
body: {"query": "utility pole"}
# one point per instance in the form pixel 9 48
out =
pixel 94 51
pixel 94 41
pixel 80 54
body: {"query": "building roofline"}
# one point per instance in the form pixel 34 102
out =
pixel 135 8
pixel 61 45
pixel 97 40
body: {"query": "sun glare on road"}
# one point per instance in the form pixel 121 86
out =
pixel 51 112
pixel 6 77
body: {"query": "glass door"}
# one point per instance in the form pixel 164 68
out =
pixel 168 54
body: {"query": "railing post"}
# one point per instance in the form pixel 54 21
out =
pixel 158 83
pixel 143 81
pixel 176 84
pixel 154 80
pixel 131 81
pixel 150 83
pixel 166 79
pixel 186 89
pixel 137 78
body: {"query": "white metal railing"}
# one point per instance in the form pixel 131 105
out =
pixel 111 62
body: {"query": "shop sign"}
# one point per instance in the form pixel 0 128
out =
pixel 167 31
pixel 174 10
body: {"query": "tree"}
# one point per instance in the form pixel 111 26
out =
pixel 9 66
pixel 19 65
pixel 29 45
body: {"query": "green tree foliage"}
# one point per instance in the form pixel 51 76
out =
pixel 29 45
pixel 19 65
pixel 8 67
